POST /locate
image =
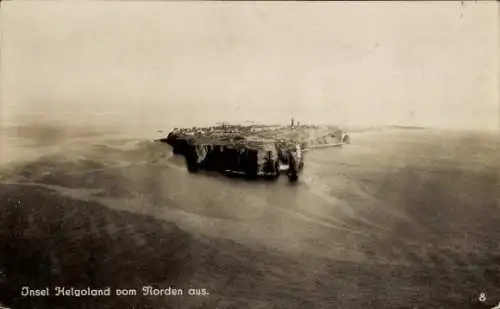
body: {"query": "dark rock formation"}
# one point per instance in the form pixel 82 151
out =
pixel 253 151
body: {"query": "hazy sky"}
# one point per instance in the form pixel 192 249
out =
pixel 157 62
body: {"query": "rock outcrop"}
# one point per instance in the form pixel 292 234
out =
pixel 251 150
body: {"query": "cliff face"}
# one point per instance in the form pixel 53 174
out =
pixel 201 152
pixel 251 160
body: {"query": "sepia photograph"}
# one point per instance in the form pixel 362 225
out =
pixel 249 154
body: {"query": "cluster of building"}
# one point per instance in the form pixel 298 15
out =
pixel 228 130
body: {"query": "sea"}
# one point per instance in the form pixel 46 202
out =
pixel 399 218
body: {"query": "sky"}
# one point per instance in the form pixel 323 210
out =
pixel 152 63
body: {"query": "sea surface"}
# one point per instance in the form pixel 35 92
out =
pixel 400 218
